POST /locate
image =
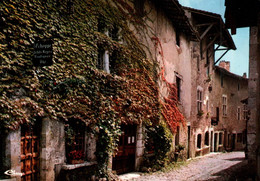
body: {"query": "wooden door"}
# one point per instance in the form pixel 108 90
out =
pixel 30 153
pixel 124 160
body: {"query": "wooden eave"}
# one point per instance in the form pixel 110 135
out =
pixel 176 14
pixel 211 25
pixel 241 13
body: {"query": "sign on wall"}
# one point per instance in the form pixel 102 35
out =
pixel 42 54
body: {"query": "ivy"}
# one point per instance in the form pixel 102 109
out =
pixel 73 87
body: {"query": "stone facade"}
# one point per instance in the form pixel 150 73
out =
pixel 203 137
pixel 173 54
pixel 227 108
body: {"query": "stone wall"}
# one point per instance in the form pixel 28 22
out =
pixel 52 146
pixel 253 100
pixel 11 155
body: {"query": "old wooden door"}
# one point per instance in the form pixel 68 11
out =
pixel 30 153
pixel 124 160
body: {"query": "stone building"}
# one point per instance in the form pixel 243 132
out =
pixel 228 111
pixel 212 32
pixel 60 115
pixel 242 14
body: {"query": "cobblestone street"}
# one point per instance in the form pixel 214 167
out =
pixel 215 166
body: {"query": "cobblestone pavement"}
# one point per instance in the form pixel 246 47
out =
pixel 215 166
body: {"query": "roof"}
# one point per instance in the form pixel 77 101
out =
pixel 241 13
pixel 230 74
pixel 175 12
pixel 203 19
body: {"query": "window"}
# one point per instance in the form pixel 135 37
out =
pixel 199 101
pixel 199 141
pixel 198 63
pixel 238 114
pixel 239 137
pixel 206 141
pixel 244 111
pixel 224 105
pixel 139 7
pixel 105 61
pixel 75 141
pixel 222 81
pixel 178 84
pixel 220 138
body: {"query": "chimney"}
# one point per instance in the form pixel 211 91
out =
pixel 225 64
pixel 244 75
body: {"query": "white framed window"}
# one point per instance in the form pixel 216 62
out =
pixel 224 105
pixel 238 113
pixel 199 100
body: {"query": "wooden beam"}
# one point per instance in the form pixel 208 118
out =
pixel 206 31
pixel 212 41
pixel 221 56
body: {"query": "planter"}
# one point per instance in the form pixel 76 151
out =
pixel 76 161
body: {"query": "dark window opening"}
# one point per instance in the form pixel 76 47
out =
pixel 75 140
pixel 199 141
pixel 139 7
pixel 100 60
pixel 178 84
pixel 206 141
pixel 220 138
pixel 113 33
pixel 198 63
pixel 239 137
pixel 222 81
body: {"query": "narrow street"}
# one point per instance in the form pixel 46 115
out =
pixel 215 166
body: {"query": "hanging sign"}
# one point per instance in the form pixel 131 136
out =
pixel 42 54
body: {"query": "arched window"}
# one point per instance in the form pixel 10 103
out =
pixel 206 141
pixel 199 141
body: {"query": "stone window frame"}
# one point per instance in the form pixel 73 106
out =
pixel 224 105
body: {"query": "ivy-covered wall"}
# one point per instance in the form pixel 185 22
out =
pixel 73 87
